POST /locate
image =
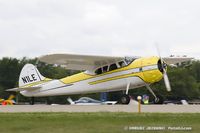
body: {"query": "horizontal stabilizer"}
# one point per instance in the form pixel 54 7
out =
pixel 24 89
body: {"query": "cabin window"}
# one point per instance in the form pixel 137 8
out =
pixel 113 67
pixel 122 64
pixel 98 71
pixel 105 69
pixel 110 68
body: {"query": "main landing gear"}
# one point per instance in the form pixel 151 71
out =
pixel 32 101
pixel 125 99
pixel 157 99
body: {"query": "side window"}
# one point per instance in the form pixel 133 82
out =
pixel 105 69
pixel 98 71
pixel 112 67
pixel 129 60
pixel 122 64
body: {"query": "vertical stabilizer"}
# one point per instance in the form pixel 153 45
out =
pixel 29 75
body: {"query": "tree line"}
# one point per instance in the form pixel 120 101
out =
pixel 185 81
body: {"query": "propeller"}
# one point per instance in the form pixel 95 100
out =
pixel 166 80
pixel 165 76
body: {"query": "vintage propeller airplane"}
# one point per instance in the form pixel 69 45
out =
pixel 101 74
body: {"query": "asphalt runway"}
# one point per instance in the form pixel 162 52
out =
pixel 102 108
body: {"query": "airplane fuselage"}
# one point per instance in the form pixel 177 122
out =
pixel 140 72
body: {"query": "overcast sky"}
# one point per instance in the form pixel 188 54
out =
pixel 99 27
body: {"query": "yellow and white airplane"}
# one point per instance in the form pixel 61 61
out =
pixel 101 74
pixel 9 101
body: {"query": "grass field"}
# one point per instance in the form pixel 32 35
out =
pixel 95 122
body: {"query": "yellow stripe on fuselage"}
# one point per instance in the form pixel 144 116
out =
pixel 76 78
pixel 116 77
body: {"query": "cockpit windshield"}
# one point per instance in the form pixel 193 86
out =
pixel 129 60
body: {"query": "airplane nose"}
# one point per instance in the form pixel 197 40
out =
pixel 155 71
pixel 162 66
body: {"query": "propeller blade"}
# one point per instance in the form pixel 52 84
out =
pixel 165 76
pixel 166 80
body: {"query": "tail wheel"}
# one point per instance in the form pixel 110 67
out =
pixel 125 99
pixel 159 100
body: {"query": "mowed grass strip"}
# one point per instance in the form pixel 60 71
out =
pixel 102 122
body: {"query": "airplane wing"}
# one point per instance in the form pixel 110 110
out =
pixel 90 62
pixel 175 60
pixel 79 62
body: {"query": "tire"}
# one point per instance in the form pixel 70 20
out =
pixel 32 101
pixel 125 99
pixel 159 100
